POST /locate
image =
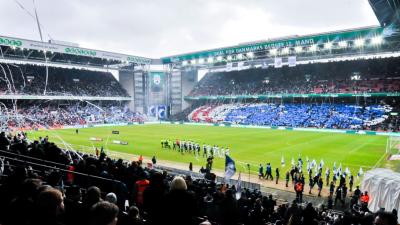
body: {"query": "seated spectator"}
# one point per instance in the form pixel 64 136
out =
pixel 50 206
pixel 179 204
pixel 103 213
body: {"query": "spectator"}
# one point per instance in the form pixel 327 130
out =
pixel 50 207
pixel 103 213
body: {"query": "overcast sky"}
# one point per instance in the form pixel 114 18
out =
pixel 155 28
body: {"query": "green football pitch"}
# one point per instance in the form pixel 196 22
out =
pixel 247 145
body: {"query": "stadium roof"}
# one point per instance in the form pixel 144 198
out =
pixel 291 44
pixel 36 50
pixel 386 11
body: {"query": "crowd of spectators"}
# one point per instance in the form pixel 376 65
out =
pixel 35 116
pixel 333 116
pixel 358 76
pixel 30 79
pixel 129 193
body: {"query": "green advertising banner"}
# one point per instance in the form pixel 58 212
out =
pixel 306 40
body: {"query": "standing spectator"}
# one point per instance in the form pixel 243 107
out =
pixel 351 181
pixel 140 187
pixel 357 192
pixel 327 174
pixel 344 193
pixel 287 178
pixel 331 189
pixel 4 142
pixel 190 166
pixel 260 172
pixel 268 172
pixel 277 174
pixel 311 184
pixel 339 195
pixel 320 186
pixel 299 187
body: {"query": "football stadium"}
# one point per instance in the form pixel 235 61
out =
pixel 299 129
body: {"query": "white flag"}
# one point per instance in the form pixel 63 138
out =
pixel 321 164
pixel 360 172
pixel 239 187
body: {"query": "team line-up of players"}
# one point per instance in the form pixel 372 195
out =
pixel 194 147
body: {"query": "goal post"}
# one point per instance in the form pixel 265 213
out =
pixel 393 145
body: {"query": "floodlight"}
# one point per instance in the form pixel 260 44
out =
pixel 328 45
pixel 184 63
pixel 359 42
pixel 229 58
pixel 298 48
pixel 343 44
pixel 273 51
pixel 377 40
pixel 201 61
pixel 193 61
pixel 285 50
pixel 219 58
pixel 250 54
pixel 313 48
pixel 239 56
pixel 210 60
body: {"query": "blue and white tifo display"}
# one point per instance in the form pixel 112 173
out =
pixel 158 111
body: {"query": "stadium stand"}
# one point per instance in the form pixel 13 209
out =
pixel 333 116
pixel 43 184
pixel 37 115
pixel 356 76
pixel 29 79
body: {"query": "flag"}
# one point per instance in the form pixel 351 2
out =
pixel 230 168
pixel 347 171
pixel 321 164
pixel 339 171
pixel 313 164
pixel 282 162
pixel 300 162
pixel 239 188
pixel 334 168
pixel 360 172
pixel 327 172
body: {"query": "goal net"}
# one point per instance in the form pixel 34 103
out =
pixel 393 145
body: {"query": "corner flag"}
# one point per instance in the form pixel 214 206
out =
pixel 230 168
